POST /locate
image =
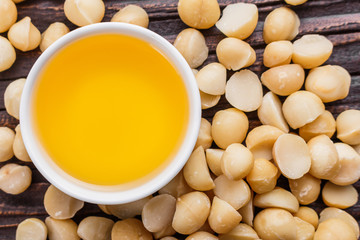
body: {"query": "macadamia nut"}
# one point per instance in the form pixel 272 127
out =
pixel 211 79
pixel 132 14
pixel 14 179
pixel 8 14
pixel 12 97
pixel 19 147
pixel 84 12
pixel 270 112
pixel 348 126
pixel 263 176
pixel 208 100
pixel 191 44
pixel 31 228
pixel 306 189
pixel 333 229
pixel 235 54
pixel 301 108
pixel 278 198
pixel 241 231
pixel 308 215
pixel 229 126
pixel 196 171
pixel 199 14
pixel 311 50
pixel 128 210
pixel 24 36
pixel 204 138
pixel 304 230
pixel 130 228
pixel 238 20
pixel 7 137
pixel 278 53
pixel 201 235
pixel 284 80
pixel 8 54
pixel 329 82
pixel 295 2
pixel 324 124
pixel 59 205
pixel 339 196
pixel 213 159
pixel 192 210
pixel 52 33
pixel 177 186
pixel 244 91
pixel 247 211
pixel 95 228
pixel 281 24
pixel 292 156
pixel 61 229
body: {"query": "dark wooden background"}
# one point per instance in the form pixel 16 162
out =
pixel 339 20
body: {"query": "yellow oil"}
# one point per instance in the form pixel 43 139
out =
pixel 110 109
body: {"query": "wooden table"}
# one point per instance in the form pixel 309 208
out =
pixel 339 20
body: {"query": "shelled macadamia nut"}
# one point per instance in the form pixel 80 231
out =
pixel 332 212
pixel 192 210
pixel 295 2
pixel 339 196
pixel 238 20
pixel 191 44
pixel 306 189
pixel 8 14
pixel 278 198
pixel 52 33
pixel 130 228
pixel 281 24
pixel 301 108
pixel 263 176
pixel 158 212
pixel 247 211
pixel 196 171
pixel 349 161
pixel 14 179
pixel 24 36
pixel 304 230
pixel 278 53
pixel 270 112
pixel 201 235
pixel 7 137
pixel 308 215
pixel 234 53
pixel 241 231
pixel 211 79
pixel 311 50
pixel 8 54
pixel 128 210
pixel 199 14
pixel 61 229
pixel 348 126
pixel 204 138
pixel 244 91
pixel 168 238
pixel 260 141
pixel 104 208
pixel 237 161
pixel 177 186
pixel 229 126
pixel 334 228
pixel 12 97
pixel 324 124
pixel 292 156
pixel 330 82
pixel 59 205
pixel 132 14
pixel 223 217
pixel 236 192
pixel 19 147
pixel 31 229
pixel 95 228
pixel 273 223
pixel 324 157
pixel 84 12
pixel 284 80
pixel 208 100
pixel 166 232
pixel 213 159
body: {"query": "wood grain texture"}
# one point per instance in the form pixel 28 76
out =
pixel 339 20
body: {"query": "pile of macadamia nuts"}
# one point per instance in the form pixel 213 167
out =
pixel 214 196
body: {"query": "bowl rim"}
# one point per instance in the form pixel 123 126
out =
pixel 101 196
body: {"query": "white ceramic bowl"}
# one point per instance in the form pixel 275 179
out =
pixel 100 194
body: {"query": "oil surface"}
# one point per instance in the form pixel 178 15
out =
pixel 110 109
